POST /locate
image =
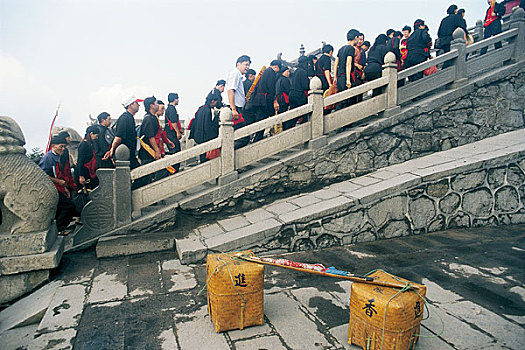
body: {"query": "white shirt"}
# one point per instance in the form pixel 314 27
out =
pixel 234 82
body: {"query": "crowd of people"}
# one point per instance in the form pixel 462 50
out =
pixel 250 97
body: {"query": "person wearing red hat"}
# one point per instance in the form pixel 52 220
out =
pixel 125 131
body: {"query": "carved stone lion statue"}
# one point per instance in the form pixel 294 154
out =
pixel 28 198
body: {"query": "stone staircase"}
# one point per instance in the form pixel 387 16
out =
pixel 468 102
pixel 435 123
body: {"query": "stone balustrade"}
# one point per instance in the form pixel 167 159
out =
pixel 314 132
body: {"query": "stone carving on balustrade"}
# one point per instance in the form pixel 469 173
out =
pixel 110 203
pixel 28 198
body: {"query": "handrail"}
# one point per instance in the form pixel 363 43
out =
pixel 355 91
pixel 175 158
pixel 273 120
pixel 427 64
pixel 492 40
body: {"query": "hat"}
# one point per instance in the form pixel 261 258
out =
pixel 418 22
pixel 58 140
pixel 92 129
pixel 221 82
pixel 64 134
pixel 276 63
pixel 129 100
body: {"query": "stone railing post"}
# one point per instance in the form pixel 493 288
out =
pixel 458 43
pixel 110 204
pixel 477 34
pixel 517 20
pixel 390 71
pixel 122 187
pixel 226 134
pixel 315 98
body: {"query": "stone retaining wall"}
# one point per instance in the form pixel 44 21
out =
pixel 481 109
pixel 490 196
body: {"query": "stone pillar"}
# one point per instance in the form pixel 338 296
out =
pixel 458 43
pixel 122 184
pixel 477 34
pixel 390 71
pixel 315 98
pixel 226 134
pixel 517 20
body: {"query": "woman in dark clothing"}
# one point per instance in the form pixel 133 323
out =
pixel 87 163
pixel 418 48
pixel 448 26
pixel 376 59
pixel 310 67
pixel 282 90
pixel 492 24
pixel 298 90
pixel 205 127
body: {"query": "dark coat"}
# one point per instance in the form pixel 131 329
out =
pixel 282 93
pixel 447 27
pixel 204 127
pixel 299 88
pixel 265 90
pixel 376 59
pixel 418 44
pixel 393 46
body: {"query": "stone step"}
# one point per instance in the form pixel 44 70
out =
pixel 123 245
pixel 30 309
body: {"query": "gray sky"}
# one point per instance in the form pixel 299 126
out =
pixel 89 55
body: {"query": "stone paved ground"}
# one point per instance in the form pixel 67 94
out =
pixel 475 281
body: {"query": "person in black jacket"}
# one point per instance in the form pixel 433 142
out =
pixel 344 71
pixel 312 60
pixel 250 77
pixel 447 27
pixel 219 87
pixel 205 127
pixel 376 59
pixel 393 44
pixel 282 90
pixel 264 98
pixel 323 67
pixel 87 162
pixel 492 24
pixel 125 132
pixel 104 140
pixel 418 47
pixel 298 90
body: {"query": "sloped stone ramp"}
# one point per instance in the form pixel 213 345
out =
pixel 482 183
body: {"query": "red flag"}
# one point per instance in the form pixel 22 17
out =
pixel 51 129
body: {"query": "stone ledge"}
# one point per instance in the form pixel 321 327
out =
pixel 28 310
pixel 190 250
pixel 25 263
pixel 134 244
pixel 244 236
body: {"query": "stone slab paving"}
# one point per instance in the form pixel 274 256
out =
pixel 475 282
pixel 245 230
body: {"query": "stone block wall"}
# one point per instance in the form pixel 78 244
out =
pixel 452 118
pixel 489 196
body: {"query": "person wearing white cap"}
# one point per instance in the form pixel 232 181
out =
pixel 125 131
